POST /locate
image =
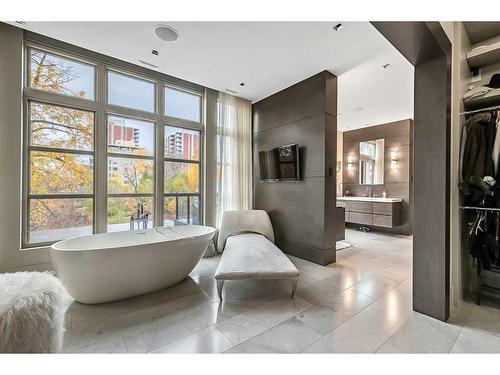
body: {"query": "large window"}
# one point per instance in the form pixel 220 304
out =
pixel 182 175
pixel 92 156
pixel 130 170
pixel 61 172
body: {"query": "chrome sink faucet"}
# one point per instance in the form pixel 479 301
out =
pixel 139 218
pixel 368 191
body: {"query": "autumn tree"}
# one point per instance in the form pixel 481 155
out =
pixel 60 127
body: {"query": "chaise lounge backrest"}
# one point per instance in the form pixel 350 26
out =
pixel 244 221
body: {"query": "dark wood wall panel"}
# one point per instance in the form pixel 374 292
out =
pixel 303 212
pixel 397 180
pixel 431 247
pixel 282 201
pixel 304 99
pixel 309 133
pixel 427 47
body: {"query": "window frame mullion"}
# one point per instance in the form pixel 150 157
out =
pixel 101 162
pixel 159 156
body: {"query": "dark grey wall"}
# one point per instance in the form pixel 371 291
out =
pixel 302 212
pixel 426 46
pixel 397 179
pixel 431 251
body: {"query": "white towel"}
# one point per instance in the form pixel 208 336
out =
pixel 476 92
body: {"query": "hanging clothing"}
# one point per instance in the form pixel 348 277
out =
pixel 475 149
pixel 463 141
pixel 484 248
pixel 480 162
pixel 491 129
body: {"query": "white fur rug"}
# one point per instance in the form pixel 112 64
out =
pixel 31 315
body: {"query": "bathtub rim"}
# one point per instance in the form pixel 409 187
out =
pixel 54 247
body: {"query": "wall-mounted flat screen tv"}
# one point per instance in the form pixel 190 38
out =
pixel 280 164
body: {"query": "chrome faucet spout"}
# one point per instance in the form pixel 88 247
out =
pixel 140 217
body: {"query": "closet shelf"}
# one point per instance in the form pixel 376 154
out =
pixel 490 99
pixel 481 56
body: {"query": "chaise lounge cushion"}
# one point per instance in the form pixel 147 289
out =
pixel 253 256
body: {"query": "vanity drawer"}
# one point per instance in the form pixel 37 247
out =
pixel 360 218
pixel 382 208
pixel 384 221
pixel 364 207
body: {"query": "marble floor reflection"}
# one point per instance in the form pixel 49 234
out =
pixel 361 304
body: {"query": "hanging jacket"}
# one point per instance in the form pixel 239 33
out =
pixel 475 149
pixel 484 247
pixel 491 130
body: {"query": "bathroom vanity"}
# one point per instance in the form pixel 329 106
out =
pixel 372 211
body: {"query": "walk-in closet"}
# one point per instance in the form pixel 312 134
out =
pixel 479 177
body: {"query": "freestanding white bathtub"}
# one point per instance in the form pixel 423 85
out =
pixel 111 266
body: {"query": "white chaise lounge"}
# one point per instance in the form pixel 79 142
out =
pixel 246 240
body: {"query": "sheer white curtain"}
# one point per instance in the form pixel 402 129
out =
pixel 234 154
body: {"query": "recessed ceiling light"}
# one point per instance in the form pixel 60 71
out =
pixel 386 66
pixel 166 33
pixel 155 52
pixel 338 27
pixel 242 84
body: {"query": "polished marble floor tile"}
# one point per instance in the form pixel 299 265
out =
pixel 326 291
pixel 395 307
pixel 349 302
pixel 209 340
pixel 375 286
pixel 108 344
pixel 362 303
pixel 295 334
pixel 476 341
pixel 172 327
pixel 422 334
pixel 389 349
pixel 252 322
pixel 363 333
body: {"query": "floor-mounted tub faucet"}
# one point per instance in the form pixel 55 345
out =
pixel 139 218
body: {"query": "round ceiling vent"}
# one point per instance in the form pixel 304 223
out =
pixel 166 33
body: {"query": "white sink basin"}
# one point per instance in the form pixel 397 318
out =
pixel 370 199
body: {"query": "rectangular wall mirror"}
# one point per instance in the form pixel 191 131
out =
pixel 371 162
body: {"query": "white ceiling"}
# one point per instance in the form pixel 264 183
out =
pixel 370 95
pixel 266 56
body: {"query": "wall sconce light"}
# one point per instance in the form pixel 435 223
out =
pixel 394 159
pixel 350 162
